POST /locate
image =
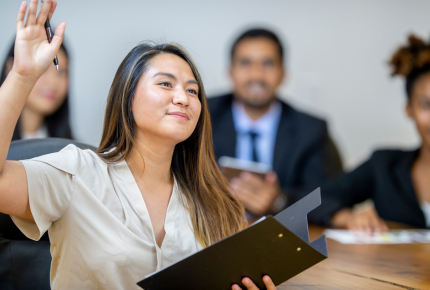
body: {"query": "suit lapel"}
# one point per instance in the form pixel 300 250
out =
pixel 225 139
pixel 284 146
pixel 403 174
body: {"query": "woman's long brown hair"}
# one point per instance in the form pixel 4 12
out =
pixel 215 212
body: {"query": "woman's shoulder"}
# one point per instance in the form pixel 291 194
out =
pixel 71 159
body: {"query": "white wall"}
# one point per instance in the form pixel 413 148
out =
pixel 337 54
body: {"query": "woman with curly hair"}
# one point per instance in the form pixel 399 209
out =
pixel 396 180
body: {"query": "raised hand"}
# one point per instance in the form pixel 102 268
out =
pixel 33 52
pixel 33 55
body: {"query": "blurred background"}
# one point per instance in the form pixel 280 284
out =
pixel 337 53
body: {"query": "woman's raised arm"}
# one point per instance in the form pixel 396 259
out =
pixel 33 55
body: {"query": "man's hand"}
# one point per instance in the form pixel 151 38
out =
pixel 258 195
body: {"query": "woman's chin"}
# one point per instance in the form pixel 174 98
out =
pixel 46 110
pixel 178 137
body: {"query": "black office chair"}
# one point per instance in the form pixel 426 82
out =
pixel 25 264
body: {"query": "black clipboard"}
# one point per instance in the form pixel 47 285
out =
pixel 276 246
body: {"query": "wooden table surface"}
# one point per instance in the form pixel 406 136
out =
pixel 405 266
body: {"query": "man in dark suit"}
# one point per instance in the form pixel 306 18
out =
pixel 252 124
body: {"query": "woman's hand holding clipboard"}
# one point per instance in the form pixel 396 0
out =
pixel 251 286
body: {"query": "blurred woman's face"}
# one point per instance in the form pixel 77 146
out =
pixel 419 107
pixel 51 89
pixel 166 104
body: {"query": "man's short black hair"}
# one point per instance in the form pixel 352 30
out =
pixel 257 33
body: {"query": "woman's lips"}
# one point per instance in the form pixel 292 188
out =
pixel 49 96
pixel 179 115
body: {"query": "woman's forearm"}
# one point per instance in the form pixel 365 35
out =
pixel 13 96
pixel 33 54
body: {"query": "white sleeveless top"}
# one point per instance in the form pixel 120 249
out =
pixel 99 227
pixel 425 207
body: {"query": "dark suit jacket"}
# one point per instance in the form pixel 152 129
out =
pixel 304 155
pixel 385 178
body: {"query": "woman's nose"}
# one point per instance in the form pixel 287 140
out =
pixel 181 98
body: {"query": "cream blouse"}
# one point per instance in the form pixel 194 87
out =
pixel 99 227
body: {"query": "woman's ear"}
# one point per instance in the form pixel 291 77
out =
pixel 409 110
pixel 9 65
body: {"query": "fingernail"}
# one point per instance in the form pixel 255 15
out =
pixel 246 281
pixel 266 279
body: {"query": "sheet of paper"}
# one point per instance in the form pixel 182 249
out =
pixel 390 237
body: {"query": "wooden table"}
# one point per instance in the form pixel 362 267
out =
pixel 405 266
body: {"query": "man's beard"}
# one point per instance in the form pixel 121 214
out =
pixel 260 105
pixel 256 103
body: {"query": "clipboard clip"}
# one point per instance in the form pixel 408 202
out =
pixel 295 218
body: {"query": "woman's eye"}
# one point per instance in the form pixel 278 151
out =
pixel 165 84
pixel 425 105
pixel 194 92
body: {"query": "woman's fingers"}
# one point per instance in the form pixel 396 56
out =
pixel 31 16
pixel 21 16
pixel 44 12
pixel 249 284
pixel 379 225
pixel 374 223
pixel 269 283
pixel 367 221
pixel 58 36
pixel 53 6
pixel 383 226
pixel 366 224
pixel 356 222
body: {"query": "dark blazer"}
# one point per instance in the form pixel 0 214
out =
pixel 304 155
pixel 385 178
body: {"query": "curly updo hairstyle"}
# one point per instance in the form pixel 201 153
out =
pixel 411 61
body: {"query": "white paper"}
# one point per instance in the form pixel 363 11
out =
pixel 390 237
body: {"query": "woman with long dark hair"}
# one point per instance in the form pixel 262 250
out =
pixel 46 113
pixel 396 180
pixel 151 195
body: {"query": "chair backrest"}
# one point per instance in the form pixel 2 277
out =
pixel 27 149
pixel 25 264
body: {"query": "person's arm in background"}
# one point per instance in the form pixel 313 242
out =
pixel 257 194
pixel 341 194
pixel 270 196
pixel 267 196
pixel 33 55
pixel 321 162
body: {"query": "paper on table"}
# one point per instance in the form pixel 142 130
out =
pixel 390 237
